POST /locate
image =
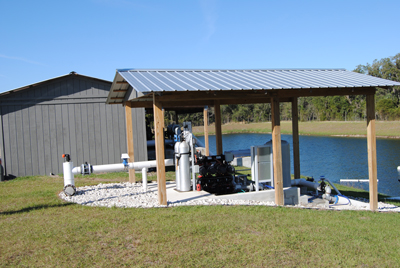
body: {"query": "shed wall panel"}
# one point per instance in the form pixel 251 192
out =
pixel 104 133
pixel 53 139
pixel 26 141
pixel 20 145
pixel 85 132
pixel 97 132
pixel 121 131
pixel 7 142
pixel 91 130
pixel 46 140
pixel 72 132
pixel 27 125
pixel 65 131
pixel 33 149
pixel 60 139
pixel 79 156
pixel 40 139
pixel 110 134
pixel 115 129
pixel 64 116
pixel 1 137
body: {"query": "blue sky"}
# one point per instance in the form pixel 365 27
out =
pixel 44 39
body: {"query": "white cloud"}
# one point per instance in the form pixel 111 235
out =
pixel 210 17
pixel 20 59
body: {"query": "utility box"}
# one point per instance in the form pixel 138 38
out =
pixel 262 166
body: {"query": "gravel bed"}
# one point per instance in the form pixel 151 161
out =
pixel 131 195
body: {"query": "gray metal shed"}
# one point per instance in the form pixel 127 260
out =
pixel 66 114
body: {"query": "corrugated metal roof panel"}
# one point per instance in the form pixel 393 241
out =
pixel 194 80
pixel 149 80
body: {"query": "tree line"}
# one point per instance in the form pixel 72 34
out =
pixel 330 108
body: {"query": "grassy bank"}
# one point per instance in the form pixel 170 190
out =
pixel 39 229
pixel 384 129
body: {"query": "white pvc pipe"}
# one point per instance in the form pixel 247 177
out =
pixel 342 201
pixel 193 174
pixel 108 168
pixel 149 164
pixel 121 167
pixel 144 178
pixel 68 175
pixel 354 180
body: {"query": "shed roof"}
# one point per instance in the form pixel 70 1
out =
pixel 6 93
pixel 145 81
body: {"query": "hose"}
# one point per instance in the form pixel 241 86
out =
pixel 337 200
pixel 270 187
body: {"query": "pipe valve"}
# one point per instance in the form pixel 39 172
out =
pixel 66 157
pixel 125 158
pixel 86 169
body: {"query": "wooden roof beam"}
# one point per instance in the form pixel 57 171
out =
pixel 245 94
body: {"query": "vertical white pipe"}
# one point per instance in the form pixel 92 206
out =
pixel 193 174
pixel 256 181
pixel 144 178
pixel 68 175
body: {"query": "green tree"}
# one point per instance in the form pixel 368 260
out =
pixel 386 108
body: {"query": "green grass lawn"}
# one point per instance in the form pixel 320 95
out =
pixel 38 229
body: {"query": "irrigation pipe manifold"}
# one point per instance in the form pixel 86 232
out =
pixel 338 199
pixel 85 169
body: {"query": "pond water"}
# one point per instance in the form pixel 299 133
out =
pixel 333 157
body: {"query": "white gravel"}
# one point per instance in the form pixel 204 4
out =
pixel 131 195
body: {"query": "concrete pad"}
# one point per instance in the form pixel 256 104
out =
pixel 291 196
pixel 177 196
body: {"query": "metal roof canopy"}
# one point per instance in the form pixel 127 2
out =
pixel 236 86
pixel 161 89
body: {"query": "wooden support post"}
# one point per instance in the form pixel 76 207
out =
pixel 295 135
pixel 277 152
pixel 129 139
pixel 218 131
pixel 159 140
pixel 371 141
pixel 205 115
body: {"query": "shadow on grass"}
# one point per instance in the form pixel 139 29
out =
pixel 32 208
pixel 355 194
pixel 9 177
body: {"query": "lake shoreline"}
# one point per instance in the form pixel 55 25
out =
pixel 302 134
